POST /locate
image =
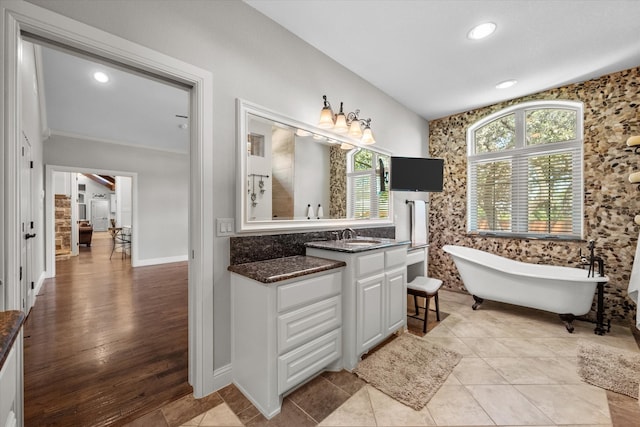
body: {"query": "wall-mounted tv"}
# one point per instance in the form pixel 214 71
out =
pixel 416 174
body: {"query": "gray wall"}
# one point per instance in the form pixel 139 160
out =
pixel 252 58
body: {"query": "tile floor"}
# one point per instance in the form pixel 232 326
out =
pixel 519 368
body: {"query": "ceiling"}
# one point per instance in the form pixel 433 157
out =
pixel 418 53
pixel 415 51
pixel 129 109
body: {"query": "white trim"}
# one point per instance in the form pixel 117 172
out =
pixel 243 109
pixel 20 16
pixel 54 132
pixel 166 260
pixel 223 376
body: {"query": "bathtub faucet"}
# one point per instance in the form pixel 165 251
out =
pixel 593 260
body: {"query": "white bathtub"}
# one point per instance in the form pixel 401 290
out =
pixel 563 290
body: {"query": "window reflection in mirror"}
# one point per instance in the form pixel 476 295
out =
pixel 293 174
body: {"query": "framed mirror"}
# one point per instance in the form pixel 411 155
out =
pixel 294 176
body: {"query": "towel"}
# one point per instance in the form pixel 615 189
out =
pixel 634 282
pixel 418 223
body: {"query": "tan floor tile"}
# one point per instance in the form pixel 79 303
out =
pixel 488 347
pixel 319 398
pixel 473 370
pixel 454 406
pixel 507 406
pixel 452 343
pixel 559 370
pixel 563 405
pixel 154 418
pixel 526 347
pixel 440 331
pixel 390 412
pixel 518 371
pixel 565 347
pixel 195 421
pixel 221 415
pixel 356 411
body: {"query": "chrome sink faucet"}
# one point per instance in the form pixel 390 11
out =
pixel 349 233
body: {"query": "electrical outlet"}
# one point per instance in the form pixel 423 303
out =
pixel 224 226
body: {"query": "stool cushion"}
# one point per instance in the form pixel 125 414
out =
pixel 425 284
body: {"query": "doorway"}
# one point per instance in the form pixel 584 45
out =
pixel 22 17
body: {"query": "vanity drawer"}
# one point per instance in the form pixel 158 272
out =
pixel 416 256
pixel 369 263
pixel 308 290
pixel 302 363
pixel 306 323
pixel 395 257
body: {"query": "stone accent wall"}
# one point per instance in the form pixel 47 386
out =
pixel 63 226
pixel 611 115
pixel 338 182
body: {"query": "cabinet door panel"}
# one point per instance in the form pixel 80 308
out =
pixel 304 291
pixel 369 307
pixel 302 363
pixel 306 323
pixel 396 299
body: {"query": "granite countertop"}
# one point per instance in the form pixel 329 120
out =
pixel 279 269
pixel 10 323
pixel 359 244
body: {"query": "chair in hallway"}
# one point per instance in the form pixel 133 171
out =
pixel 427 288
pixel 121 240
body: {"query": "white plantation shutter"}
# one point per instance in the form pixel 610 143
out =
pixel 528 191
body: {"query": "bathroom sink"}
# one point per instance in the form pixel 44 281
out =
pixel 361 242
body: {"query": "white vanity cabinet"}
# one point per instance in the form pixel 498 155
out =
pixel 284 333
pixel 374 297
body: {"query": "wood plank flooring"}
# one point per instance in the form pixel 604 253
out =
pixel 105 343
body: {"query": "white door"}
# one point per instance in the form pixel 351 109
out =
pixel 100 215
pixel 27 228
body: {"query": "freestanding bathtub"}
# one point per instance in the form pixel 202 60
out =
pixel 563 290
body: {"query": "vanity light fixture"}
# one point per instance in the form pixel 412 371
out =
pixel 342 123
pixel 101 77
pixel 506 84
pixel 481 31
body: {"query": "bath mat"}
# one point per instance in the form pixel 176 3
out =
pixel 609 367
pixel 408 369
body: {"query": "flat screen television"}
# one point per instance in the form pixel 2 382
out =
pixel 416 174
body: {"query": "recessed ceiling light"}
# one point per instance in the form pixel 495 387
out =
pixel 481 31
pixel 505 84
pixel 100 77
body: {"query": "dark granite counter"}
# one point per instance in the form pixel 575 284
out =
pixel 359 244
pixel 279 269
pixel 10 324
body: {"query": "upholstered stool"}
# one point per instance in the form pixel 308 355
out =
pixel 426 287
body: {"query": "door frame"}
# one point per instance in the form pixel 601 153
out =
pixel 18 16
pixel 49 213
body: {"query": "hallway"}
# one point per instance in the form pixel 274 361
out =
pixel 105 343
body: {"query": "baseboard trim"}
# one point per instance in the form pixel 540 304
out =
pixel 222 377
pixel 156 261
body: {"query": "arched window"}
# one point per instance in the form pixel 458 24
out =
pixel 525 171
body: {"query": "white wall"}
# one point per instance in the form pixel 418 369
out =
pixel 252 58
pixel 163 189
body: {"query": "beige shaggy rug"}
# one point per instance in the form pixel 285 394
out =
pixel 609 367
pixel 408 369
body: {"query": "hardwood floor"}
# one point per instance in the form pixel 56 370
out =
pixel 105 343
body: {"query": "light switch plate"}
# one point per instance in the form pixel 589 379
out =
pixel 224 226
